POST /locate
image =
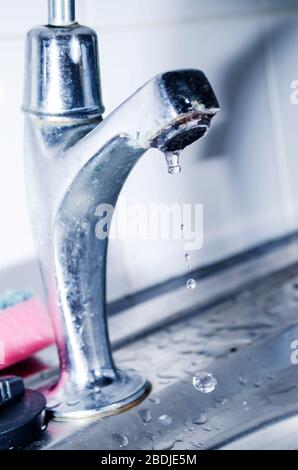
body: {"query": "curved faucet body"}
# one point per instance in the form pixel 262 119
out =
pixel 74 162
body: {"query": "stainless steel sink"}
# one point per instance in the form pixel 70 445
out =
pixel 280 435
pixel 239 325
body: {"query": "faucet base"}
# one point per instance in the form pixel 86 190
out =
pixel 122 393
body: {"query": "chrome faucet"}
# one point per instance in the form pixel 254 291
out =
pixel 74 161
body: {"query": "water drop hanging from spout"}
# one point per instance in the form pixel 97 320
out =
pixel 172 159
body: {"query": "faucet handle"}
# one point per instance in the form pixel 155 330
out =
pixel 62 77
pixel 61 12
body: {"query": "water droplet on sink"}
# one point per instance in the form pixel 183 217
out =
pixel 172 159
pixel 208 429
pixel 201 419
pixel 146 416
pixel 120 439
pixel 167 376
pixel 197 445
pixel 155 400
pixel 220 401
pixel 257 383
pixel 165 445
pixel 242 380
pixel 165 420
pixel 204 382
pixel 187 259
pixel 191 284
pixel 72 403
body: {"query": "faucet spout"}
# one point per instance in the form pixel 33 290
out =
pixel 76 162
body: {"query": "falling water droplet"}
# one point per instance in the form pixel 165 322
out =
pixel 146 416
pixel 187 259
pixel 172 159
pixel 120 439
pixel 191 284
pixel 204 382
pixel 165 420
pixel 182 227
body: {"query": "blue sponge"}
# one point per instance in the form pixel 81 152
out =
pixel 10 299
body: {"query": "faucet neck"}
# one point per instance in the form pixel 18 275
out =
pixel 61 12
pixel 62 77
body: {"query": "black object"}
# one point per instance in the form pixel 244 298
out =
pixel 11 387
pixel 22 413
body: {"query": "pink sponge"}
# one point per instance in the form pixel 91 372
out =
pixel 25 329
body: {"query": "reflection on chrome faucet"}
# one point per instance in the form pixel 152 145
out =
pixel 76 161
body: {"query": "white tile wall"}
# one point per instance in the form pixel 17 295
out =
pixel 282 43
pixel 244 172
pixel 138 13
